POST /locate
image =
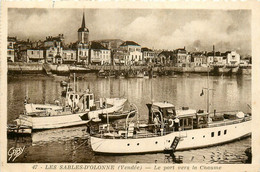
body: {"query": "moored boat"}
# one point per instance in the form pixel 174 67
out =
pixel 171 129
pixel 79 109
pixel 140 74
pixel 82 109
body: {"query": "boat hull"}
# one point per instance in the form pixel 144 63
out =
pixel 38 108
pixel 50 122
pixel 190 139
pixel 68 120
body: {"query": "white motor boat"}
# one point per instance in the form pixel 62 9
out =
pixel 79 109
pixel 171 129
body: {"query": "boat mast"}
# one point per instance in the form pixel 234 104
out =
pixel 208 91
pixel 107 122
pixel 152 89
pixel 74 82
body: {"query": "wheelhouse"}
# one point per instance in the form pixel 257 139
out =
pixel 166 117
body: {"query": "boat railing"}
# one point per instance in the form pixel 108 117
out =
pixel 229 122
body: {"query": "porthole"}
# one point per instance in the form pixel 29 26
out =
pixel 156 142
pixel 204 136
pixel 225 132
pixel 219 132
pixel 192 137
pixel 169 141
pixel 128 144
pixel 137 144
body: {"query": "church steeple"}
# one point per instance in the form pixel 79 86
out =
pixel 83 21
pixel 83 32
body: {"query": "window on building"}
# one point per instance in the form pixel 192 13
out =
pixel 212 134
pixel 31 52
pixel 219 132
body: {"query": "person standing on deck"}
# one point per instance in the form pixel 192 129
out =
pixel 156 123
pixel 176 124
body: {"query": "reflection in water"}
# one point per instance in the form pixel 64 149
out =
pixel 60 134
pixel 72 145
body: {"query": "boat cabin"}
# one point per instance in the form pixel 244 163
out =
pixel 163 115
pixel 80 102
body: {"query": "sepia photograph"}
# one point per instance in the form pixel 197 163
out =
pixel 129 86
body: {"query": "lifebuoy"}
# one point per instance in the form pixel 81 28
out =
pixel 170 123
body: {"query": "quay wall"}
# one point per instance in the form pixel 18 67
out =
pixel 24 68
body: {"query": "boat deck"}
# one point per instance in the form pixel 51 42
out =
pixel 144 132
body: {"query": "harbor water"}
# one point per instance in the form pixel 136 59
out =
pixel 71 145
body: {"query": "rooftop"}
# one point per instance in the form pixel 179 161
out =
pixel 145 49
pixel 97 45
pixel 126 43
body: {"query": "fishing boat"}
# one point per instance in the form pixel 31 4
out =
pixel 131 73
pixel 79 109
pixel 172 129
pixel 102 73
pixel 121 75
pixel 224 70
pixel 140 74
pixel 146 74
pixel 13 129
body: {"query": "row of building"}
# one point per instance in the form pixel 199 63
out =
pixel 110 51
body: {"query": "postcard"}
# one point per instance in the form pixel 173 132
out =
pixel 130 86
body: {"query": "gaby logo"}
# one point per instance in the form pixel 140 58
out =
pixel 13 153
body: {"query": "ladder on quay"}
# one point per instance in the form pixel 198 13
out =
pixel 47 69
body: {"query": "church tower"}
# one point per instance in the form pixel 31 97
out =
pixel 83 32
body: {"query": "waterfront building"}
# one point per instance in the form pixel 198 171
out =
pixel 244 63
pixel 99 54
pixel 199 59
pixel 22 47
pixel 167 58
pixel 148 55
pixel 113 45
pixel 132 53
pixel 53 49
pixel 182 57
pixel 118 57
pixel 83 43
pixel 35 55
pixel 69 56
pixel 216 58
pixel 233 58
pixel 11 48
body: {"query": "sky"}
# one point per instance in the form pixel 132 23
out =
pixel 196 30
